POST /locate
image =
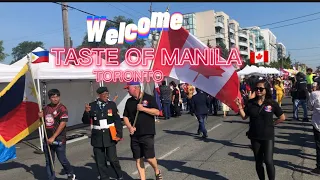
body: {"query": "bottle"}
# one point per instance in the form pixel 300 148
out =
pixel 57 143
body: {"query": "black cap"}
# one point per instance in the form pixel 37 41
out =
pixel 101 90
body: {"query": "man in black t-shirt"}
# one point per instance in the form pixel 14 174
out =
pixel 142 135
pixel 55 115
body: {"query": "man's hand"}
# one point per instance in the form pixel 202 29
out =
pixel 132 130
pixel 40 114
pixel 87 108
pixel 238 102
pixel 140 107
pixel 50 140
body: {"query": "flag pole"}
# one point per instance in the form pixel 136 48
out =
pixel 40 128
pixel 150 67
pixel 39 104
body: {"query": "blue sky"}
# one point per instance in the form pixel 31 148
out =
pixel 43 22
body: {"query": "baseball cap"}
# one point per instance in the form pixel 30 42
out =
pixel 132 83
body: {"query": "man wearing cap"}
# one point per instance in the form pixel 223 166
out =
pixel 143 132
pixel 103 115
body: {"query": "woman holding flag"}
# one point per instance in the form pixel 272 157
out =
pixel 260 110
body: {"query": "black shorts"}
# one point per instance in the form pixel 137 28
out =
pixel 143 146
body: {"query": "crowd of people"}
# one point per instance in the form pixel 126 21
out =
pixel 261 100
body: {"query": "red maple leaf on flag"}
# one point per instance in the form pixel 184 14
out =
pixel 259 56
pixel 207 71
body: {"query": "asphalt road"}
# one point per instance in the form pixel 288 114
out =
pixel 182 155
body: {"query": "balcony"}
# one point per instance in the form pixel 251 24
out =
pixel 241 43
pixel 243 34
pixel 219 35
pixel 244 52
pixel 219 24
pixel 232 40
pixel 231 30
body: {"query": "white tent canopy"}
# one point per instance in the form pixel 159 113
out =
pixel 249 70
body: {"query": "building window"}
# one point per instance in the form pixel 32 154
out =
pixel 220 19
pixel 186 21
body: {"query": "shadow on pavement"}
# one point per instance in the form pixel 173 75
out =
pixel 284 164
pixel 178 166
pixel 88 171
pixel 223 142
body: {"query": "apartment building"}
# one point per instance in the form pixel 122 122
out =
pixel 199 25
pixel 247 43
pixel 222 28
pixel 270 44
pixel 281 50
pixel 233 33
pixel 260 43
pixel 208 26
pixel 217 27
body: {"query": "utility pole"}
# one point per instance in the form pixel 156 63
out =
pixel 153 33
pixel 66 33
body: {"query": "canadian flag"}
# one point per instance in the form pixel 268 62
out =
pixel 219 81
pixel 259 57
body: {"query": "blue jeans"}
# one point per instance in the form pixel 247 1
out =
pixel 202 128
pixel 166 108
pixel 297 103
pixel 61 154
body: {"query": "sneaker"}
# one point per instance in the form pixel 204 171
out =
pixel 316 171
pixel 159 176
pixel 72 177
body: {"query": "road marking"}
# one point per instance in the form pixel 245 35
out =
pixel 214 127
pixel 160 158
pixel 77 139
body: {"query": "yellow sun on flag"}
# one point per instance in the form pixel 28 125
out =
pixel 33 57
pixel 33 90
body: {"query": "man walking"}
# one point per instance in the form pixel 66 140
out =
pixel 106 132
pixel 142 134
pixel 302 97
pixel 56 117
pixel 165 94
pixel 200 106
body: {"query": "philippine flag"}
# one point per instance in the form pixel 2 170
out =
pixel 39 57
pixel 259 57
pixel 18 108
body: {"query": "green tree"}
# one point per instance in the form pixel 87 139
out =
pixel 24 48
pixel 223 49
pixel 3 55
pixel 140 43
pixel 284 63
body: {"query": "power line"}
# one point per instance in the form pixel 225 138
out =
pixel 295 23
pixel 299 49
pixel 134 10
pixel 214 35
pixel 122 10
pixel 85 12
pixel 299 17
pixel 307 56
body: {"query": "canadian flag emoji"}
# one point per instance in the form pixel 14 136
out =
pixel 258 57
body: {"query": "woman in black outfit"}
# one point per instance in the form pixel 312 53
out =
pixel 260 109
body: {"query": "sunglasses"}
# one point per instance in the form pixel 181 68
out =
pixel 259 88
